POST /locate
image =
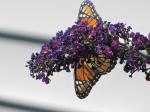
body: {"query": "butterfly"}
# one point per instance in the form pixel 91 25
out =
pixel 87 73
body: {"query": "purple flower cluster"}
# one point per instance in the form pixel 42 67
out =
pixel 63 51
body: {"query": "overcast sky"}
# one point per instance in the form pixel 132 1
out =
pixel 114 92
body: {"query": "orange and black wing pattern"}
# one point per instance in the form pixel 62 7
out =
pixel 86 72
pixel 87 13
pixel 85 77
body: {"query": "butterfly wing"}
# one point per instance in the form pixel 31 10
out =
pixel 87 13
pixel 103 64
pixel 88 73
pixel 85 77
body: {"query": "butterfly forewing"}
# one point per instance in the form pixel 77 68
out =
pixel 85 77
pixel 88 73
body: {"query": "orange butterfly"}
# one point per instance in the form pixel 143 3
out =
pixel 88 73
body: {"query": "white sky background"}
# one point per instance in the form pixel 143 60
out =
pixel 49 16
pixel 114 92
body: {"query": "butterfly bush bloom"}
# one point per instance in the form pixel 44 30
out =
pixel 63 50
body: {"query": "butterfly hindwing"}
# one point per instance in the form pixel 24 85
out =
pixel 87 13
pixel 103 64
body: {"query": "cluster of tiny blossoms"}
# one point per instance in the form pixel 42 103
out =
pixel 116 41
